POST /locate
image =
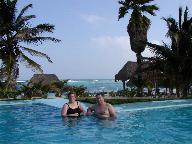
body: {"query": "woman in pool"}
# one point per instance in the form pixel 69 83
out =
pixel 102 109
pixel 73 108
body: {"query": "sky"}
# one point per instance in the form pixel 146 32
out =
pixel 94 44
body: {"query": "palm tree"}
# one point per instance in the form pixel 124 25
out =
pixel 60 87
pixel 15 33
pixel 177 57
pixel 137 28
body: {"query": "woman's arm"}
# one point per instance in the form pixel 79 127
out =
pixel 90 110
pixel 64 110
pixel 81 108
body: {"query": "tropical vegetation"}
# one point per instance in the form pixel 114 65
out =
pixel 16 33
pixel 137 29
pixel 172 61
pixel 175 60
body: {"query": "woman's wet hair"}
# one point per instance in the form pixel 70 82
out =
pixel 71 92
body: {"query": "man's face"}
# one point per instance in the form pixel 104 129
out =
pixel 100 99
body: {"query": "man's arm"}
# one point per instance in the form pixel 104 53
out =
pixel 111 111
pixel 90 110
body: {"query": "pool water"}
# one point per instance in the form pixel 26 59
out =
pixel 39 121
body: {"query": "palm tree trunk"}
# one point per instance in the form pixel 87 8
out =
pixel 166 91
pixel 139 76
pixel 10 83
pixel 185 89
pixel 123 85
pixel 177 91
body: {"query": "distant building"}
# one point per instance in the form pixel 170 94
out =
pixel 45 79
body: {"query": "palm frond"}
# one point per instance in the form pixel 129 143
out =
pixel 37 53
pixel 36 40
pixel 123 10
pixel 142 2
pixel 22 20
pixel 12 7
pixel 30 63
pixel 161 51
pixel 7 12
pixel 149 9
pixel 23 11
pixel 27 33
pixel 172 25
pixel 180 16
pixel 44 28
pixel 186 14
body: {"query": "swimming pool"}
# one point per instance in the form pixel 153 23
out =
pixel 39 121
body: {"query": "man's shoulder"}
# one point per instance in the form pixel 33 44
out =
pixel 108 105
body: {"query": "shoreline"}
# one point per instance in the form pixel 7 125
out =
pixel 124 100
pixel 112 100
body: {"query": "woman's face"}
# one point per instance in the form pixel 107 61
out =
pixel 100 99
pixel 72 98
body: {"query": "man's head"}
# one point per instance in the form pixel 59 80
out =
pixel 100 98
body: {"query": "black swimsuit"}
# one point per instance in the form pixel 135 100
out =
pixel 73 111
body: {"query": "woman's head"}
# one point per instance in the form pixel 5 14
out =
pixel 71 96
pixel 100 98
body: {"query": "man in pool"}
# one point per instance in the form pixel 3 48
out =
pixel 102 109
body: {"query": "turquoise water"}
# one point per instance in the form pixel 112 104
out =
pixel 98 85
pixel 92 85
pixel 39 121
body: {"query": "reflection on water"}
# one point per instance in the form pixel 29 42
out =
pixel 70 121
pixel 89 120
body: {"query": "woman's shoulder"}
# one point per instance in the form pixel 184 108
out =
pixel 65 105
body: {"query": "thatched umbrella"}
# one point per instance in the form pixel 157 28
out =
pixel 129 72
pixel 45 79
pixel 126 72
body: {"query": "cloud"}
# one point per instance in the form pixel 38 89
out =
pixel 119 42
pixel 92 19
pixel 118 47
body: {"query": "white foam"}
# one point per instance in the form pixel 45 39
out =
pixel 21 81
pixel 72 81
pixel 175 101
pixel 16 103
pixel 153 108
pixel 57 102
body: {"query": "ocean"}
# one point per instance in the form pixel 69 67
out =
pixel 93 85
pixel 98 85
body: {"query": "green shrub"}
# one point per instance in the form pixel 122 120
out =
pixel 127 92
pixel 36 90
pixel 6 94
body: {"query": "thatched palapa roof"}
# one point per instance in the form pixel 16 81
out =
pixel 46 79
pixel 126 72
pixel 129 72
